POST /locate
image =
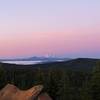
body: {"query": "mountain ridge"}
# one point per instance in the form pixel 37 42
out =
pixel 36 58
pixel 74 64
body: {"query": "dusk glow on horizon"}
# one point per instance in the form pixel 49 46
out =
pixel 69 28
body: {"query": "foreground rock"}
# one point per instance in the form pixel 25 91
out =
pixel 11 92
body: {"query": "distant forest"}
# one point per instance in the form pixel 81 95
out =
pixel 71 80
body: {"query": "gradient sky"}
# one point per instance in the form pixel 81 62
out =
pixel 68 28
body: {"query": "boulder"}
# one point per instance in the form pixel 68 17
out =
pixel 11 92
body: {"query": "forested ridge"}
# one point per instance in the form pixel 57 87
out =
pixel 77 79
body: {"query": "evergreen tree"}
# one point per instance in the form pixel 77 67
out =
pixel 2 76
pixel 95 83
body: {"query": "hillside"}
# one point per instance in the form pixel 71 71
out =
pixel 75 64
pixel 77 79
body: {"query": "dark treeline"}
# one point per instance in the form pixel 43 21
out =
pixel 60 83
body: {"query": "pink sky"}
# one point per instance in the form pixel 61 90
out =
pixel 68 28
pixel 53 43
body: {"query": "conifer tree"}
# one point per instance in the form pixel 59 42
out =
pixel 95 83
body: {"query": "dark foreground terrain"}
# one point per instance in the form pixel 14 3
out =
pixel 77 79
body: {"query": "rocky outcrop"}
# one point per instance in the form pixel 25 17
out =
pixel 44 96
pixel 11 92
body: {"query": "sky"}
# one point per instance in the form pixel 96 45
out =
pixel 69 28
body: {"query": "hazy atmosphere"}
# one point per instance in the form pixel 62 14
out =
pixel 68 28
pixel 49 49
